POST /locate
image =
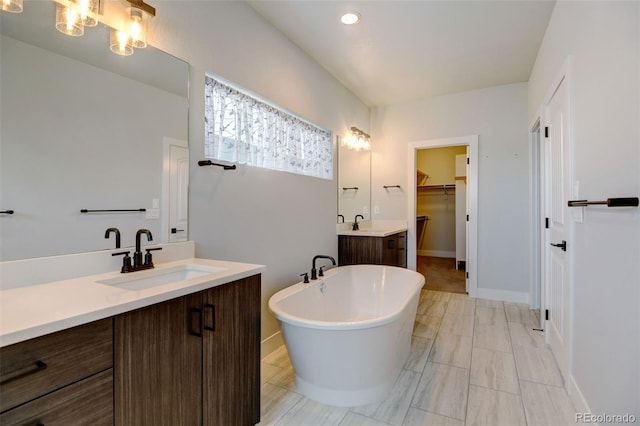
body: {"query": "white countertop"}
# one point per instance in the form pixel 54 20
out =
pixel 375 228
pixel 35 310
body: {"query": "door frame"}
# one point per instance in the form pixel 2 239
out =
pixel 537 189
pixel 472 203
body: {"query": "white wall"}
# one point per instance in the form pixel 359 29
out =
pixel 499 116
pixel 604 39
pixel 254 215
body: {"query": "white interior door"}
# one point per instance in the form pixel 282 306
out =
pixel 178 193
pixel 558 193
pixel 175 187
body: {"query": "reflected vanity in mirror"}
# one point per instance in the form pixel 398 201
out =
pixel 83 128
pixel 354 181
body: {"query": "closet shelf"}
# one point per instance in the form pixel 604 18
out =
pixel 443 188
pixel 421 177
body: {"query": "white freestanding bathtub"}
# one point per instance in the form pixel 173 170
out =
pixel 349 333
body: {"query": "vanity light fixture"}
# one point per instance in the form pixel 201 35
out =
pixel 357 140
pixel 12 6
pixel 350 18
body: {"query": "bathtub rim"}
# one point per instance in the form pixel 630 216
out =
pixel 338 325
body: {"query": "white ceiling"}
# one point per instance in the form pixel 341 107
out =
pixel 407 50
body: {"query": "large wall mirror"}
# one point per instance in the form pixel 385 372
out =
pixel 83 128
pixel 354 182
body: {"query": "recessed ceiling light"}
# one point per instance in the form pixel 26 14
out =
pixel 350 18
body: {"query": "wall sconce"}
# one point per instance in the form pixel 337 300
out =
pixel 357 140
pixel 12 6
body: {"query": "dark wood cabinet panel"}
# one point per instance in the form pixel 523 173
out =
pixel 194 360
pixel 390 250
pixel 231 354
pixel 38 366
pixel 87 402
pixel 158 364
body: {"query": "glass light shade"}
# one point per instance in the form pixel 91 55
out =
pixel 88 9
pixel 138 29
pixel 68 21
pixel 120 43
pixel 13 6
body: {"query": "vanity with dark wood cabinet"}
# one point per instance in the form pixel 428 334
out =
pixel 389 250
pixel 192 360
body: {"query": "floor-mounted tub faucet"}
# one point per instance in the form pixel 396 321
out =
pixel 314 271
pixel 355 226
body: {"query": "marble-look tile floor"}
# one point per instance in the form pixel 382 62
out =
pixel 472 362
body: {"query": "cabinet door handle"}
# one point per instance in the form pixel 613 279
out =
pixel 211 327
pixel 193 312
pixel 21 372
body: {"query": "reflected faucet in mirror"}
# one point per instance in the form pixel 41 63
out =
pixel 115 231
pixel 355 226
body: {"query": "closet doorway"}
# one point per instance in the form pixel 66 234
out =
pixel 441 224
pixel 442 213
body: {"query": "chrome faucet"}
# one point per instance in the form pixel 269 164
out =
pixel 314 271
pixel 355 226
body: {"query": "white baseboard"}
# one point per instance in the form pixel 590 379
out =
pixel 504 295
pixel 437 253
pixel 270 344
pixel 579 402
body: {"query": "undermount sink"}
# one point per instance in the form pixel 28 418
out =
pixel 160 276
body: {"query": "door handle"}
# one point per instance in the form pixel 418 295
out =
pixel 176 230
pixel 562 245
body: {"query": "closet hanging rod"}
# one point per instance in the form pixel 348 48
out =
pixel 609 202
pixel 112 210
pixel 6 212
pixel 441 187
pixel 355 188
pixel 211 163
pixel 391 186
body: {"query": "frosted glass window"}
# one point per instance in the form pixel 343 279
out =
pixel 243 129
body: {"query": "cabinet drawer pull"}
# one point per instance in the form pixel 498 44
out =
pixel 198 312
pixel 22 372
pixel 212 327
